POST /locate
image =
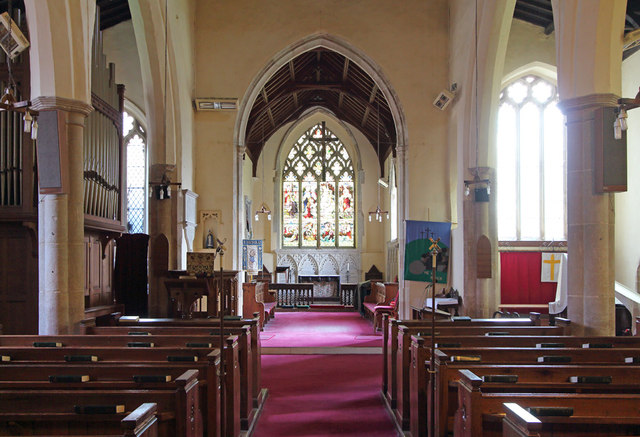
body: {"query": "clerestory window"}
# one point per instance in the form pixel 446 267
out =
pixel 318 192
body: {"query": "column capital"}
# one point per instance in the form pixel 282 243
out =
pixel 590 101
pixel 50 103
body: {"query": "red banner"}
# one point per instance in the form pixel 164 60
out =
pixel 520 279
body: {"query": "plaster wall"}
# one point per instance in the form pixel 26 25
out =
pixel 527 44
pixel 119 43
pixel 627 230
pixel 371 236
pixel 408 41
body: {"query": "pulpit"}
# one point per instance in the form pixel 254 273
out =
pixel 185 294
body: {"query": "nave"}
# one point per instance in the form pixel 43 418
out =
pixel 323 373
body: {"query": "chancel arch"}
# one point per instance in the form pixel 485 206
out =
pixel 255 113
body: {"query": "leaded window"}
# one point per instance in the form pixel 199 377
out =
pixel 135 141
pixel 318 192
pixel 531 162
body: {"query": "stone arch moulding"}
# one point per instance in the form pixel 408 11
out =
pixel 546 71
pixel 281 58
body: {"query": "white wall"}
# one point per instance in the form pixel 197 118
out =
pixel 627 204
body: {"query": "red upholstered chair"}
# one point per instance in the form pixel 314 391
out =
pixel 379 310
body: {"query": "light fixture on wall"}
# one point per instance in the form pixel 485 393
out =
pixel 481 188
pixel 264 209
pixel 13 42
pixel 620 124
pixel 378 213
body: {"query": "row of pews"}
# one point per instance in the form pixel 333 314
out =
pixel 509 377
pixel 142 377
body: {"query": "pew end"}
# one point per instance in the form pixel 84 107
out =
pixel 142 422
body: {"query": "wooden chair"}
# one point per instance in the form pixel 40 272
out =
pixel 391 309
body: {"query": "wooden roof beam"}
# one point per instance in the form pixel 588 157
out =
pixel 269 113
pixel 372 97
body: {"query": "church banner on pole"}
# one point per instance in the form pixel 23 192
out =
pixel 417 259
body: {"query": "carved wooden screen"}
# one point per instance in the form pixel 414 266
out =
pixel 318 192
pixel 103 157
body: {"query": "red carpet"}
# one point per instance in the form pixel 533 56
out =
pixel 319 329
pixel 323 395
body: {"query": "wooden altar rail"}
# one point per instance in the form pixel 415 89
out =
pixel 347 294
pixel 288 295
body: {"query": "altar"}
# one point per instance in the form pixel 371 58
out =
pixel 325 287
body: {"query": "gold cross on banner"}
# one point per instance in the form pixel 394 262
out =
pixel 434 245
pixel 552 265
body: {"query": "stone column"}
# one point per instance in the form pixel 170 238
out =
pixel 589 58
pixel 480 297
pixel 403 206
pixel 162 221
pixel 61 230
pixel 590 224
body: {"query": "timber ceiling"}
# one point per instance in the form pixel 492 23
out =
pixel 324 78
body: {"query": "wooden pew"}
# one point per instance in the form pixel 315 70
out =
pixel 141 422
pixel 518 422
pixel 178 406
pixel 195 334
pixel 253 301
pixel 390 343
pixel 480 413
pixel 156 356
pixel 125 375
pixel 399 359
pixel 246 356
pixel 144 324
pixel 447 373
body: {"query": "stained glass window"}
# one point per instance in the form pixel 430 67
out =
pixel 136 141
pixel 318 192
pixel 531 162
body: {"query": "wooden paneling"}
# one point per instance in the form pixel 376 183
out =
pixel 18 280
pixel 98 271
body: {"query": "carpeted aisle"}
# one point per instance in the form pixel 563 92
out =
pixel 319 329
pixel 322 394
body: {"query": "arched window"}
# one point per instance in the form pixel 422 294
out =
pixel 531 162
pixel 135 141
pixel 318 192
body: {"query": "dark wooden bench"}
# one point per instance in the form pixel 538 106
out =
pixel 446 370
pixel 253 301
pixel 390 343
pixel 195 335
pixel 446 377
pixel 177 404
pixel 400 355
pixel 141 422
pixel 420 352
pixel 519 422
pixel 206 343
pixel 480 413
pixel 157 356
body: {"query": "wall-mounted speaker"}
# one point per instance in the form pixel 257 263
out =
pixel 609 154
pixel 52 151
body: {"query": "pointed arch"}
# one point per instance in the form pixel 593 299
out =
pixel 281 58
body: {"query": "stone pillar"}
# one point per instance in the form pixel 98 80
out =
pixel 161 221
pixel 590 224
pixel 589 55
pixel 480 297
pixel 61 230
pixel 403 207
